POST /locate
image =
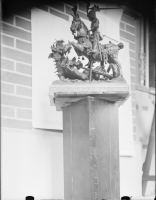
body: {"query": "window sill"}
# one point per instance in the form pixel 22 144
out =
pixel 143 88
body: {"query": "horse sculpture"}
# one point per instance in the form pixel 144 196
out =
pixel 103 54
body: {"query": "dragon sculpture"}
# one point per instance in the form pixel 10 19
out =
pixel 87 45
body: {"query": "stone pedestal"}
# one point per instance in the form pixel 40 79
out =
pixel 90 138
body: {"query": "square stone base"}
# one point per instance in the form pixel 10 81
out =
pixel 64 93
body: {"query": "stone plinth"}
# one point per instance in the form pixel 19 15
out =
pixel 90 138
pixel 64 93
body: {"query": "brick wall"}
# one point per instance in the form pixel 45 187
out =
pixel 128 29
pixel 16 71
pixel 17 68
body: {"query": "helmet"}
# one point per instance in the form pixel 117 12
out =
pixel 92 12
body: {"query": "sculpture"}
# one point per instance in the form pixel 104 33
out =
pixel 88 45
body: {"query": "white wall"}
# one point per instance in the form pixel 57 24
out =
pixel 32 164
pixel 131 173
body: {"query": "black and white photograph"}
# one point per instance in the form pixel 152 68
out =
pixel 78 100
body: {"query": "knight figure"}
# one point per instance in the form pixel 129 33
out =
pixel 96 36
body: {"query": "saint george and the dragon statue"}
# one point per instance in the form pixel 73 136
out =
pixel 88 45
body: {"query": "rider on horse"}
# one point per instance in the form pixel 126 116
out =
pixel 94 27
pixel 89 46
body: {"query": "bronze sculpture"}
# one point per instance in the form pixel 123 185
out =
pixel 88 45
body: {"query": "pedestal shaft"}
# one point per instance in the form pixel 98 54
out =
pixel 91 150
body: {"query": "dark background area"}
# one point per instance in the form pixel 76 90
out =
pixel 144 7
pixel 152 52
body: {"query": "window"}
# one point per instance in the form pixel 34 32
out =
pixel 146 52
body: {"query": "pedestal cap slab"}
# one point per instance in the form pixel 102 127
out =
pixel 63 93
